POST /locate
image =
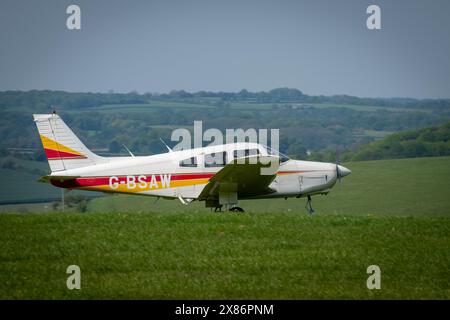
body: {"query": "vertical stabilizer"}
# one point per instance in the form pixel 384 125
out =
pixel 62 147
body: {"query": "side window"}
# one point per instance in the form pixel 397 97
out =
pixel 190 162
pixel 245 153
pixel 218 159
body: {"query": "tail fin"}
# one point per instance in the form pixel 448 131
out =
pixel 62 147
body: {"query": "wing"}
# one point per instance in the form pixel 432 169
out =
pixel 243 178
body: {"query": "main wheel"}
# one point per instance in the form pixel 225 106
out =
pixel 237 209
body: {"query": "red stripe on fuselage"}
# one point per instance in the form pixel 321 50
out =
pixel 100 181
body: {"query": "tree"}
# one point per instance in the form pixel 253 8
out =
pixel 114 147
pixel 79 202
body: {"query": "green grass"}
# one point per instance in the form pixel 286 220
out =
pixel 393 213
pixel 232 256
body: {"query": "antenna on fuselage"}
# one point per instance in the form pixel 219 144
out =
pixel 129 151
pixel 168 148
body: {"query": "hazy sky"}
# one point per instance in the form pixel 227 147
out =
pixel 319 47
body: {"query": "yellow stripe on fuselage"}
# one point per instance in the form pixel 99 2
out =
pixel 124 188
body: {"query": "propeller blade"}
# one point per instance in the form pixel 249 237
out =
pixel 339 175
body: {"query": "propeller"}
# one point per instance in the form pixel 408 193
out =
pixel 338 171
pixel 341 171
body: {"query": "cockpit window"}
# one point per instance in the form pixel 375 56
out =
pixel 245 153
pixel 218 159
pixel 190 162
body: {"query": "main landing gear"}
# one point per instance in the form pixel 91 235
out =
pixel 232 209
pixel 228 200
pixel 309 205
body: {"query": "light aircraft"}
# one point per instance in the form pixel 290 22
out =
pixel 219 175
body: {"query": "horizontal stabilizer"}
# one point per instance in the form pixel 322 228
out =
pixel 46 179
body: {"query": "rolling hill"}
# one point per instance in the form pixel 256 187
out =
pixel 427 142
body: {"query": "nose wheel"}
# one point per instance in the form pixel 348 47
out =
pixel 308 206
pixel 237 209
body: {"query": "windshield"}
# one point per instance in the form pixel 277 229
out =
pixel 273 152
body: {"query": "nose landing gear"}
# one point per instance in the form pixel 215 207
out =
pixel 308 206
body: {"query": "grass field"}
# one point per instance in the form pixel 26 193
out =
pixel 366 108
pixel 393 213
pixel 204 255
pixel 153 105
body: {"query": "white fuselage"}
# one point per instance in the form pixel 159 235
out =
pixel 167 175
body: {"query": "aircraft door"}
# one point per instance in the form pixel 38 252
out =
pixel 187 170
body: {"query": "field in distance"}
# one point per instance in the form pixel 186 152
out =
pixel 393 213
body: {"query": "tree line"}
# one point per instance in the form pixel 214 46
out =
pixel 427 142
pixel 306 131
pixel 45 99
